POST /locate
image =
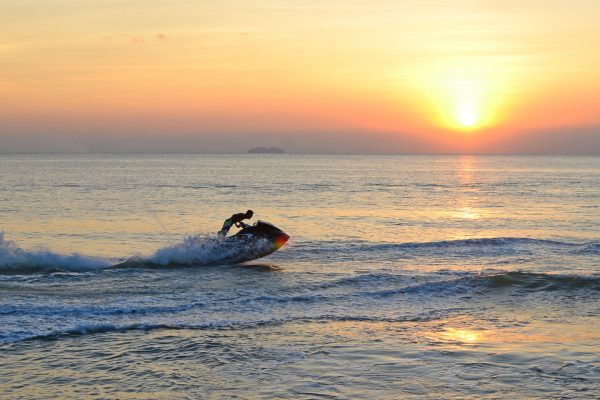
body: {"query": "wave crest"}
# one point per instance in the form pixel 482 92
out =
pixel 522 282
pixel 14 259
pixel 542 282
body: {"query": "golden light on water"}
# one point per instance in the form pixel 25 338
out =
pixel 466 336
pixel 460 336
pixel 466 169
pixel 467 213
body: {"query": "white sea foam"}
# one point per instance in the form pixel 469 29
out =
pixel 15 259
pixel 210 250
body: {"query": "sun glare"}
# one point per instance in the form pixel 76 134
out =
pixel 467 117
pixel 464 97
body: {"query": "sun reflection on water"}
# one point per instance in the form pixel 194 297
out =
pixel 461 335
pixel 467 213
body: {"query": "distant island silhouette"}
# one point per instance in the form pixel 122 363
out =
pixel 266 150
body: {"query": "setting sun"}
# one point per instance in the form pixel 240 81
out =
pixel 467 94
pixel 467 116
pixel 440 77
pixel 463 95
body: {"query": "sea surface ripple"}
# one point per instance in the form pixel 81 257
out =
pixel 405 277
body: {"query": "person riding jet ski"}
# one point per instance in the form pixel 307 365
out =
pixel 235 219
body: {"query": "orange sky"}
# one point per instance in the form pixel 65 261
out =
pixel 439 76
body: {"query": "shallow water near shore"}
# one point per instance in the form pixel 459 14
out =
pixel 405 276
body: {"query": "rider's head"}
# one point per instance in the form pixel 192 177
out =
pixel 249 214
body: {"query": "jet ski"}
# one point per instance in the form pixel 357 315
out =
pixel 270 236
pixel 251 242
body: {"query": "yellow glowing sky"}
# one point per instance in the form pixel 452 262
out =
pixel 442 72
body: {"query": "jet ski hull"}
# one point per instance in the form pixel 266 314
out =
pixel 264 237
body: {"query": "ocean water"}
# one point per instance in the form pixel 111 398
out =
pixel 405 277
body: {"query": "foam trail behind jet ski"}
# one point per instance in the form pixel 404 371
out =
pixel 208 250
pixel 15 260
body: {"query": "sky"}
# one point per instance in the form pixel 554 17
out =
pixel 431 76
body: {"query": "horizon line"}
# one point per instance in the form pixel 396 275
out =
pixel 295 153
